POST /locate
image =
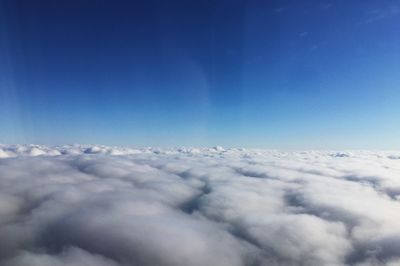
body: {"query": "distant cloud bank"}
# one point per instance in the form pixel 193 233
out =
pixel 105 206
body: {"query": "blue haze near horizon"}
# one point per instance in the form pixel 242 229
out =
pixel 260 74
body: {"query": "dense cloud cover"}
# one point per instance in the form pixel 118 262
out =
pixel 96 205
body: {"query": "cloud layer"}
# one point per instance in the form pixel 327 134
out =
pixel 96 205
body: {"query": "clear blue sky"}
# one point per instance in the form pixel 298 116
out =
pixel 269 74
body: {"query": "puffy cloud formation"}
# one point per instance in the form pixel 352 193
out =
pixel 96 205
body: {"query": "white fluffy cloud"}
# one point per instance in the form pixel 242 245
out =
pixel 97 205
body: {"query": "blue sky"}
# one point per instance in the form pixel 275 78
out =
pixel 268 74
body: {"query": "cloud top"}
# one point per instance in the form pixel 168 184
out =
pixel 98 205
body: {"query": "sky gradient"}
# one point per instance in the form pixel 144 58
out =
pixel 261 74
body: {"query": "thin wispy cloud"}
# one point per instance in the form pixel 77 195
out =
pixel 377 15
